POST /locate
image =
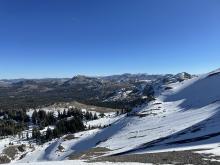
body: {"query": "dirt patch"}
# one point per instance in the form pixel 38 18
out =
pixel 61 148
pixel 177 158
pixel 11 151
pixel 91 153
pixel 4 159
pixel 69 137
pixel 21 148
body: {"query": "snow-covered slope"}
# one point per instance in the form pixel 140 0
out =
pixel 187 110
pixel 186 115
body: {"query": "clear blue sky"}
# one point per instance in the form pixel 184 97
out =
pixel 61 38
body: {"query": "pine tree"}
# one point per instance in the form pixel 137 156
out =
pixel 49 134
pixel 102 115
pixel 55 133
pixel 95 117
pixel 64 113
pixel 27 136
pixel 36 133
pixel 34 117
pixel 59 115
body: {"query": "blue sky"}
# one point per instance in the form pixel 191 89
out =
pixel 62 38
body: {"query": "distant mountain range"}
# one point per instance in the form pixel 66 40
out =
pixel 117 91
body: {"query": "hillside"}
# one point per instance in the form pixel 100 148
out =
pixel 119 91
pixel 184 117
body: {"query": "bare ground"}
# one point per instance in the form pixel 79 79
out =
pixel 89 154
pixel 85 106
pixel 177 158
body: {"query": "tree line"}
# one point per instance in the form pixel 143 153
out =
pixel 68 121
pixel 13 121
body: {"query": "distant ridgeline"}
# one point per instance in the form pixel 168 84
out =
pixel 119 91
